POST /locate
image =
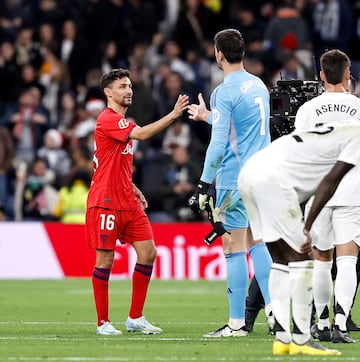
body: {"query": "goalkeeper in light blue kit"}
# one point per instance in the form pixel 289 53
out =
pixel 240 127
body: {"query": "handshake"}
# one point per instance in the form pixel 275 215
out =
pixel 204 199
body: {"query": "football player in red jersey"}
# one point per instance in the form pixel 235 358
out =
pixel 115 206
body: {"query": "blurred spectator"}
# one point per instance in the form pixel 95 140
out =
pixel 67 114
pixel 7 152
pixel 202 70
pixel 331 25
pixel 84 130
pixel 168 51
pixel 152 185
pixel 54 76
pixel 254 66
pixel 29 77
pixel 141 15
pixel 91 89
pixel 176 135
pixel 71 206
pixel 8 74
pixel 180 177
pixel 107 20
pixel 252 29
pixel 354 51
pixel 46 38
pixel 81 158
pixel 39 196
pixel 172 85
pixel 195 23
pixel 109 57
pixel 56 157
pixel 286 32
pixel 172 53
pixel 73 52
pixel 292 69
pixel 28 122
pixel 27 51
pixel 143 104
pixel 50 12
pixel 168 22
pixel 137 59
pixel 12 17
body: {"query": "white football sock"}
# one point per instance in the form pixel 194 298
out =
pixel 345 287
pixel 280 300
pixel 300 277
pixel 322 291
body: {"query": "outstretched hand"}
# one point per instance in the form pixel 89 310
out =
pixel 181 105
pixel 198 112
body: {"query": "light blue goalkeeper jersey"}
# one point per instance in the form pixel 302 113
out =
pixel 240 114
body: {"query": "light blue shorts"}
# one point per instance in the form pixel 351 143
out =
pixel 232 210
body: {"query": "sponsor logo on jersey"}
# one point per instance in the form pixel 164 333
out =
pixel 123 123
pixel 129 149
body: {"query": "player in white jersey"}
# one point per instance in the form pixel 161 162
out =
pixel 273 184
pixel 339 222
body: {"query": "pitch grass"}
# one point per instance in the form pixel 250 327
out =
pixel 55 321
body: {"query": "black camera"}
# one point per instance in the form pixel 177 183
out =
pixel 285 99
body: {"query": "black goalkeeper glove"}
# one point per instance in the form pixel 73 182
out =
pixel 199 200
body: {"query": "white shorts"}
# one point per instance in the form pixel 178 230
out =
pixel 335 225
pixel 274 212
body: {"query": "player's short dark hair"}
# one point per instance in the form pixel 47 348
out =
pixel 334 63
pixel 114 74
pixel 231 43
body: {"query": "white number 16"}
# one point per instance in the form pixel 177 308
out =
pixel 107 222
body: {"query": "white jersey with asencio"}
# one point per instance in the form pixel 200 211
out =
pixel 334 107
pixel 301 159
pixel 111 185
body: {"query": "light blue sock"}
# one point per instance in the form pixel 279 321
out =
pixel 262 261
pixel 237 282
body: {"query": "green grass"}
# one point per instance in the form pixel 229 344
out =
pixel 55 321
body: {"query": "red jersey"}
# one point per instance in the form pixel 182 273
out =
pixel 111 185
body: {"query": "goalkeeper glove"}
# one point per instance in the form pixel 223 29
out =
pixel 218 227
pixel 199 200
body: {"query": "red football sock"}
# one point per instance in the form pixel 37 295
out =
pixel 100 282
pixel 140 282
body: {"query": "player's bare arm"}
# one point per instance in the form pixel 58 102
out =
pixel 146 132
pixel 199 112
pixel 325 190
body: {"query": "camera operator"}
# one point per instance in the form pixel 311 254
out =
pixel 339 223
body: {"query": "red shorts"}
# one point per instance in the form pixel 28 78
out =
pixel 104 227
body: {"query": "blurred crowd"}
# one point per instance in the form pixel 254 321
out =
pixel 52 56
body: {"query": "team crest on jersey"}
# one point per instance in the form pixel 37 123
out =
pixel 104 238
pixel 215 115
pixel 123 123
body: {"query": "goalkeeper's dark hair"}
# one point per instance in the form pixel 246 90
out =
pixel 108 78
pixel 334 63
pixel 231 43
